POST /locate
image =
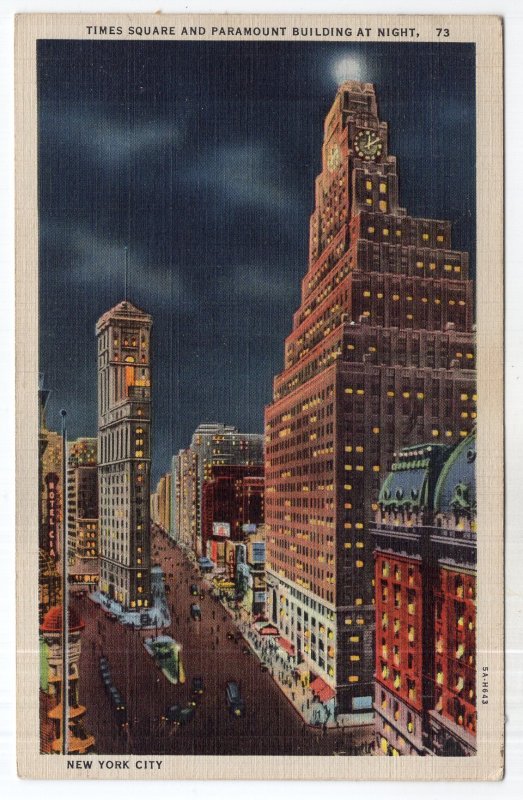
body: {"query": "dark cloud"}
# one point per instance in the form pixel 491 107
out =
pixel 200 159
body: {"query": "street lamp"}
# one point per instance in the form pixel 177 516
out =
pixel 65 594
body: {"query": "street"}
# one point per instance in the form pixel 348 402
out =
pixel 270 725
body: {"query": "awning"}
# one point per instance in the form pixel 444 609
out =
pixel 268 630
pixel 286 645
pixel 322 690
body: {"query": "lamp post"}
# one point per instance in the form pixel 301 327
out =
pixel 65 594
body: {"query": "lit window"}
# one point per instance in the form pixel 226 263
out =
pixel 371 229
pixel 368 185
pixel 439 237
pixel 385 230
pixel 435 432
pixel 419 264
pixel 368 200
pixel 383 188
pixel 425 236
pixel 383 206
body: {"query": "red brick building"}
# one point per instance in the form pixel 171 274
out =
pixel 381 355
pixel 425 582
pixel 233 495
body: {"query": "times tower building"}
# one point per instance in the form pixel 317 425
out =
pixel 381 356
pixel 124 455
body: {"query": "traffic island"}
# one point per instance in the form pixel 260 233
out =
pixel 167 657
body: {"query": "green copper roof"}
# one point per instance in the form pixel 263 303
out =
pixel 410 483
pixel 456 486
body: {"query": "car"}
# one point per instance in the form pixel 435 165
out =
pixel 107 681
pixel 110 615
pixel 231 636
pixel 178 715
pixel 114 696
pixel 264 667
pixel 196 612
pixel 194 589
pixel 197 685
pixel 186 714
pixel 121 716
pixel 234 699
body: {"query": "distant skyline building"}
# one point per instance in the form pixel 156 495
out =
pixel 217 444
pixel 425 583
pixel 232 497
pixel 213 444
pixel 50 475
pixel 381 355
pixel 124 454
pixel 82 498
pixel 185 482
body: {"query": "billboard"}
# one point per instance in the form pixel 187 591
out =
pixel 221 529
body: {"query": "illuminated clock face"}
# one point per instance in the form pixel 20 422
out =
pixel 333 158
pixel 368 145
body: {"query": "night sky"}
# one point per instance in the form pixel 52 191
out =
pixel 201 158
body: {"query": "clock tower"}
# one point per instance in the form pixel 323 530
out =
pixel 381 356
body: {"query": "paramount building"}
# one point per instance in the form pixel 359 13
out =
pixel 381 356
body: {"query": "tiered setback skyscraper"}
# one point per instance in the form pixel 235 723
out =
pixel 381 355
pixel 124 453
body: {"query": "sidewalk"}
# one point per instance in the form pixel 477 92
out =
pixel 311 710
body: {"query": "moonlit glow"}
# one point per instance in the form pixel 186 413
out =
pixel 349 68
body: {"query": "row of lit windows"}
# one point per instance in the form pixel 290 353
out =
pixel 398 232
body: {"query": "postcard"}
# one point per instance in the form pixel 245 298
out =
pixel 259 397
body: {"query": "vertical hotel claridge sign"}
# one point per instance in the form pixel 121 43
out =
pixel 381 356
pixel 124 448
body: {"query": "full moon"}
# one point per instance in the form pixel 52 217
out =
pixel 349 68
